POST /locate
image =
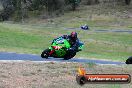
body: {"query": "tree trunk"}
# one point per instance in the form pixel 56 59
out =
pixel 127 2
pixel 91 2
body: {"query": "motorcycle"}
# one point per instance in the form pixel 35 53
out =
pixel 59 49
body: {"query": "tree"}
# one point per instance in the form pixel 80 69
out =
pixel 74 3
pixel 19 9
pixel 7 9
pixel 91 2
pixel 127 2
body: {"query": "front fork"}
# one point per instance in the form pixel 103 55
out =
pixel 52 51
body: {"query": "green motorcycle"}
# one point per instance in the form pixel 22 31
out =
pixel 58 49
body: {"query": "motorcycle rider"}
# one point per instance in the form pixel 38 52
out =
pixel 73 40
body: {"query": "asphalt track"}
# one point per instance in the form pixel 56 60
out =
pixel 14 56
pixel 103 30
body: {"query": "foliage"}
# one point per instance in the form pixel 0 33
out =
pixel 20 9
pixel 127 2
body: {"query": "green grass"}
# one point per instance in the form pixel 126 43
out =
pixel 105 17
pixel 113 46
pixel 36 35
pixel 33 39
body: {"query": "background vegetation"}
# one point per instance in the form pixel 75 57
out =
pixel 34 30
pixel 18 10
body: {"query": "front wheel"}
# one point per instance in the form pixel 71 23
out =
pixel 45 53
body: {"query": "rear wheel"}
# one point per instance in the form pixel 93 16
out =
pixel 69 55
pixel 45 53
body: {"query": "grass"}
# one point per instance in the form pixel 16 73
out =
pixel 54 75
pixel 36 35
pixel 30 39
pixel 98 16
pixel 108 44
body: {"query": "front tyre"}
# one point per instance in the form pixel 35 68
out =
pixel 69 56
pixel 45 53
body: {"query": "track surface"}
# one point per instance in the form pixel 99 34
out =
pixel 103 30
pixel 15 56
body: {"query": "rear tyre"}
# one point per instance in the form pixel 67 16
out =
pixel 69 55
pixel 129 60
pixel 45 53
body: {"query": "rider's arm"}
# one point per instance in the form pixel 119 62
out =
pixel 75 46
pixel 65 36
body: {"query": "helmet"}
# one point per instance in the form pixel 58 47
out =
pixel 73 35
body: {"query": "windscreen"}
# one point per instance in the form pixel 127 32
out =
pixel 60 41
